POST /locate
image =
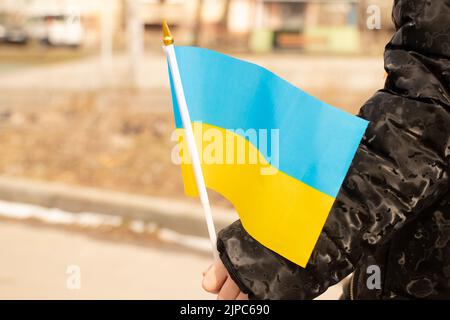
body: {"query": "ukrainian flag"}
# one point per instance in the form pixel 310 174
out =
pixel 284 197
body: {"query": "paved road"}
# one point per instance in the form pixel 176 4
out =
pixel 35 261
pixel 344 81
pixel 307 71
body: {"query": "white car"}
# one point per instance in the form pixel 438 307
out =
pixel 57 29
pixel 65 30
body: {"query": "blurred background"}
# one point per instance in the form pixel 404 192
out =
pixel 91 205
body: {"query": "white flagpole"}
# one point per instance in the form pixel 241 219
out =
pixel 189 135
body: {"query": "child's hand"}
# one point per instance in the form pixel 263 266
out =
pixel 216 280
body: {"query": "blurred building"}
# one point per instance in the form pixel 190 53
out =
pixel 265 25
pixel 308 25
pixel 258 25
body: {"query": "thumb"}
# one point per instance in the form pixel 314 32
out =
pixel 215 277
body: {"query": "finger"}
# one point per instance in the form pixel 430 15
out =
pixel 229 290
pixel 242 296
pixel 215 277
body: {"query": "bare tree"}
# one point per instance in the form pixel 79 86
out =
pixel 226 10
pixel 198 22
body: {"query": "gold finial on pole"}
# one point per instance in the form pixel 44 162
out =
pixel 167 36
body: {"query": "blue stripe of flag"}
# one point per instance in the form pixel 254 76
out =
pixel 317 141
